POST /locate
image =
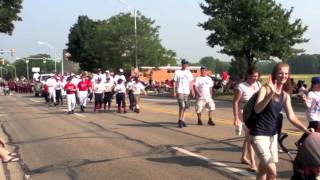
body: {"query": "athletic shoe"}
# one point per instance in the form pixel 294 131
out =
pixel 211 123
pixel 180 124
pixel 199 122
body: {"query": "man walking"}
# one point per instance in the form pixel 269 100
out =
pixel 203 89
pixel 182 85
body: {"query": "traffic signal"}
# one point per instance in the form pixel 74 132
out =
pixel 13 52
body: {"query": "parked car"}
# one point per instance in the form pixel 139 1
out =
pixel 38 87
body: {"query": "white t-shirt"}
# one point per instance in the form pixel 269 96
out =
pixel 97 76
pixel 109 86
pixel 182 78
pixel 137 87
pixel 247 91
pixel 313 113
pixel 120 88
pixel 203 85
pixel 130 85
pixel 51 82
pixel 99 88
pixel 117 77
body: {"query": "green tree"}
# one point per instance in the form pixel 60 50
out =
pixel 110 44
pixel 252 29
pixel 214 65
pixel 9 11
pixel 305 64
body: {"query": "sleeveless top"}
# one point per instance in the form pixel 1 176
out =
pixel 266 122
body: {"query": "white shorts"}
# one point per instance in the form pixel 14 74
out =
pixel 202 103
pixel 266 148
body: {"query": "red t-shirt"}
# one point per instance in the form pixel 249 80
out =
pixel 83 86
pixel 68 88
pixel 89 83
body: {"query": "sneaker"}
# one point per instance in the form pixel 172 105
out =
pixel 211 123
pixel 180 124
pixel 69 112
pixel 137 110
pixel 72 112
pixel 81 109
pixel 199 122
pixel 184 124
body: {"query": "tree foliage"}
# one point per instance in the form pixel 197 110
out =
pixel 111 43
pixel 305 64
pixel 215 65
pixel 9 10
pixel 252 29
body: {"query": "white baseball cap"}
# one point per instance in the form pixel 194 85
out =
pixel 120 70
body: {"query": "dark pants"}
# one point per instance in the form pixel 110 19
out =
pixel 131 99
pixel 59 96
pixel 107 98
pixel 98 99
pixel 121 100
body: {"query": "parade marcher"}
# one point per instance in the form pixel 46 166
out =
pixel 109 85
pixel 70 89
pixel 203 90
pixel 120 91
pixel 58 88
pixel 136 90
pixel 242 94
pixel 312 102
pixel 181 90
pixel 109 75
pixel 51 83
pixel 100 75
pixel 130 94
pixel 83 88
pixel 98 89
pixel 272 98
pixel 120 75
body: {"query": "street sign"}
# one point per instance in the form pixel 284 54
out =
pixel 35 69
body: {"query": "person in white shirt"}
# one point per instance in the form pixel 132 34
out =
pixel 51 83
pixel 120 76
pixel 182 85
pixel 109 85
pixel 99 90
pixel 130 94
pixel 137 87
pixel 100 75
pixel 58 88
pixel 109 75
pixel 203 89
pixel 242 94
pixel 120 90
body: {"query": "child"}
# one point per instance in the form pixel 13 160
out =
pixel 70 89
pixel 109 84
pixel 120 91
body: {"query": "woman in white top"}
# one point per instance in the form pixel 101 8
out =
pixel 241 95
pixel 99 89
pixel 137 88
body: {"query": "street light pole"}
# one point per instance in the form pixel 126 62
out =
pixel 54 52
pixel 27 62
pixel 134 12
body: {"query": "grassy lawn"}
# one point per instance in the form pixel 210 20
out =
pixel 296 77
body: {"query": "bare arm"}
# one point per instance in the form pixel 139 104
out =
pixel 236 106
pixel 174 89
pixel 292 117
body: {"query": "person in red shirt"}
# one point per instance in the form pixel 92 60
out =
pixel 83 88
pixel 70 89
pixel 45 93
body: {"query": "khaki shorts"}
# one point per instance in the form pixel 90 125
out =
pixel 266 148
pixel 202 103
pixel 183 101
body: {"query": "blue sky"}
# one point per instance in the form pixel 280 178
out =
pixel 50 21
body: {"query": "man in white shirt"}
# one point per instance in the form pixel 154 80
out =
pixel 182 85
pixel 120 76
pixel 203 89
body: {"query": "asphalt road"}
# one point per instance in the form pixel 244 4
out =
pixel 106 145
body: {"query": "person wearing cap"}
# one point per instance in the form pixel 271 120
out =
pixel 58 88
pixel 130 93
pixel 120 76
pixel 108 75
pixel 203 89
pixel 312 102
pixel 83 88
pixel 51 82
pixel 182 86
pixel 120 91
pixel 98 89
pixel 70 89
pixel 109 85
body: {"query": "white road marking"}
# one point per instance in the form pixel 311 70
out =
pixel 37 101
pixel 216 163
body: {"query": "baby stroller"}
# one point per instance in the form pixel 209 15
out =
pixel 306 164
